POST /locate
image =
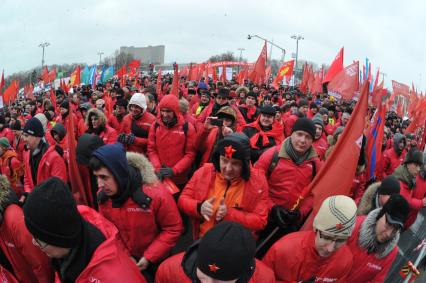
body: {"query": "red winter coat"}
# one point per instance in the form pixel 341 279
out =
pixel 6 276
pixel 109 262
pixel 321 147
pixel 146 232
pixel 144 122
pixel 171 271
pixel 294 258
pixel 252 212
pixel 6 132
pixel 368 267
pixel 359 185
pixel 13 169
pixel 51 165
pixel 329 129
pixel 288 124
pixel 391 161
pixel 288 179
pixel 109 136
pixel 414 197
pixel 29 263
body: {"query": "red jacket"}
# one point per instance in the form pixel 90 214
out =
pixel 6 132
pixel 359 185
pixel 252 212
pixel 368 267
pixel 145 122
pixel 29 263
pixel 172 271
pixel 109 262
pixel 321 147
pixel 150 232
pixel 288 124
pixel 172 147
pixel 13 169
pixel 293 258
pixel 391 161
pixel 109 136
pixel 414 197
pixel 6 276
pixel 205 142
pixel 329 129
pixel 288 179
pixel 51 165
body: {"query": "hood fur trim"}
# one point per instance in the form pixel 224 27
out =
pixel 4 190
pixel 367 237
pixel 96 112
pixel 366 203
pixel 142 163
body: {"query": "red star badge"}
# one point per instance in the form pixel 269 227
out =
pixel 213 267
pixel 339 226
pixel 229 151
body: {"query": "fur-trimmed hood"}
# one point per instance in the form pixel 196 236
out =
pixel 367 237
pixel 4 190
pixel 145 167
pixel 98 113
pixel 366 203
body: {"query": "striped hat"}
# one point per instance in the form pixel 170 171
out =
pixel 336 216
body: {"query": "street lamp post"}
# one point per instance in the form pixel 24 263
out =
pixel 43 45
pixel 241 57
pixel 271 43
pixel 100 53
pixel 297 38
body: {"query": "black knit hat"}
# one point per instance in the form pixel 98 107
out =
pixel 86 145
pixel 268 110
pixel 224 92
pixel 122 102
pixel 414 156
pixel 226 251
pixel 235 145
pixel 252 94
pixel 303 102
pixel 396 210
pixel 51 215
pixel 16 126
pixel 306 125
pixel 60 130
pixel 65 104
pixel 317 120
pixel 389 186
pixel 34 127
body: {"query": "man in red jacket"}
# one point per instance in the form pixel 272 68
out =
pixel 393 157
pixel 319 255
pixel 27 263
pixel 229 189
pixel 131 197
pixel 320 142
pixel 136 125
pixel 41 161
pixel 5 132
pixel 374 242
pixel 171 142
pixel 224 254
pixel 81 243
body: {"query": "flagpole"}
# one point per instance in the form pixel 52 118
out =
pixel 416 263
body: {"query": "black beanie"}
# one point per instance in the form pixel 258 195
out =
pixel 34 127
pixel 226 252
pixel 86 145
pixel 65 104
pixel 396 210
pixel 122 102
pixel 224 92
pixel 268 110
pixel 51 215
pixel 414 156
pixel 16 126
pixel 234 145
pixel 389 186
pixel 303 102
pixel 60 130
pixel 306 125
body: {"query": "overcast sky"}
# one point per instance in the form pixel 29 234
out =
pixel 390 33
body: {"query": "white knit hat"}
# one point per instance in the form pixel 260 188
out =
pixel 42 118
pixel 138 99
pixel 336 216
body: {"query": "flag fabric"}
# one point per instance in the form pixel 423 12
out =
pixel 75 77
pixel 85 76
pixel 268 74
pixel 9 95
pixel 336 175
pixel 45 75
pixel 175 84
pixel 317 86
pixel 121 72
pixel 52 75
pixel 304 83
pixel 107 74
pixel 400 89
pixel 419 117
pixel 53 99
pixel 92 76
pixel 134 67
pixel 374 141
pixel 257 75
pixel 159 83
pixel 335 67
pixel 286 70
pixel 214 75
pixel 2 82
pixel 223 74
pixel 345 84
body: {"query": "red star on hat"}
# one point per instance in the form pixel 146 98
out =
pixel 339 226
pixel 213 267
pixel 229 151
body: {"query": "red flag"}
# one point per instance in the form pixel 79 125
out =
pixel 286 70
pixel 304 83
pixel 214 75
pixel 53 99
pixel 374 140
pixel 121 72
pixel 159 83
pixel 376 80
pixel 200 71
pixel 52 75
pixel 175 83
pixel 258 73
pixel 194 73
pixel 311 79
pixel 45 75
pixel 134 68
pixel 419 117
pixel 401 89
pixel 346 82
pixel 190 72
pixel 342 161
pixel 30 91
pixel 268 74
pixel 335 67
pixel 65 87
pixel 75 77
pixel 11 92
pixel 223 74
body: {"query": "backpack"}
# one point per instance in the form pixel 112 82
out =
pixel 274 162
pixel 138 196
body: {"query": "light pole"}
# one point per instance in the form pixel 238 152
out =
pixel 100 53
pixel 43 45
pixel 250 36
pixel 297 38
pixel 241 57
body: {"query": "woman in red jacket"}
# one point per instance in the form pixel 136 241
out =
pixel 97 124
pixel 229 189
pixel 28 263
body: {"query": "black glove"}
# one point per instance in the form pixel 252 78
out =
pixel 122 138
pixel 160 176
pixel 311 280
pixel 166 172
pixel 130 139
pixel 283 217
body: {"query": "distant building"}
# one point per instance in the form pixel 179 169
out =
pixel 149 54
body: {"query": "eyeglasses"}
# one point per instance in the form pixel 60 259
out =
pixel 337 241
pixel 40 244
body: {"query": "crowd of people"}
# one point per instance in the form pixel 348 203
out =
pixel 198 185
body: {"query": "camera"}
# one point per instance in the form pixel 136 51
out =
pixel 216 122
